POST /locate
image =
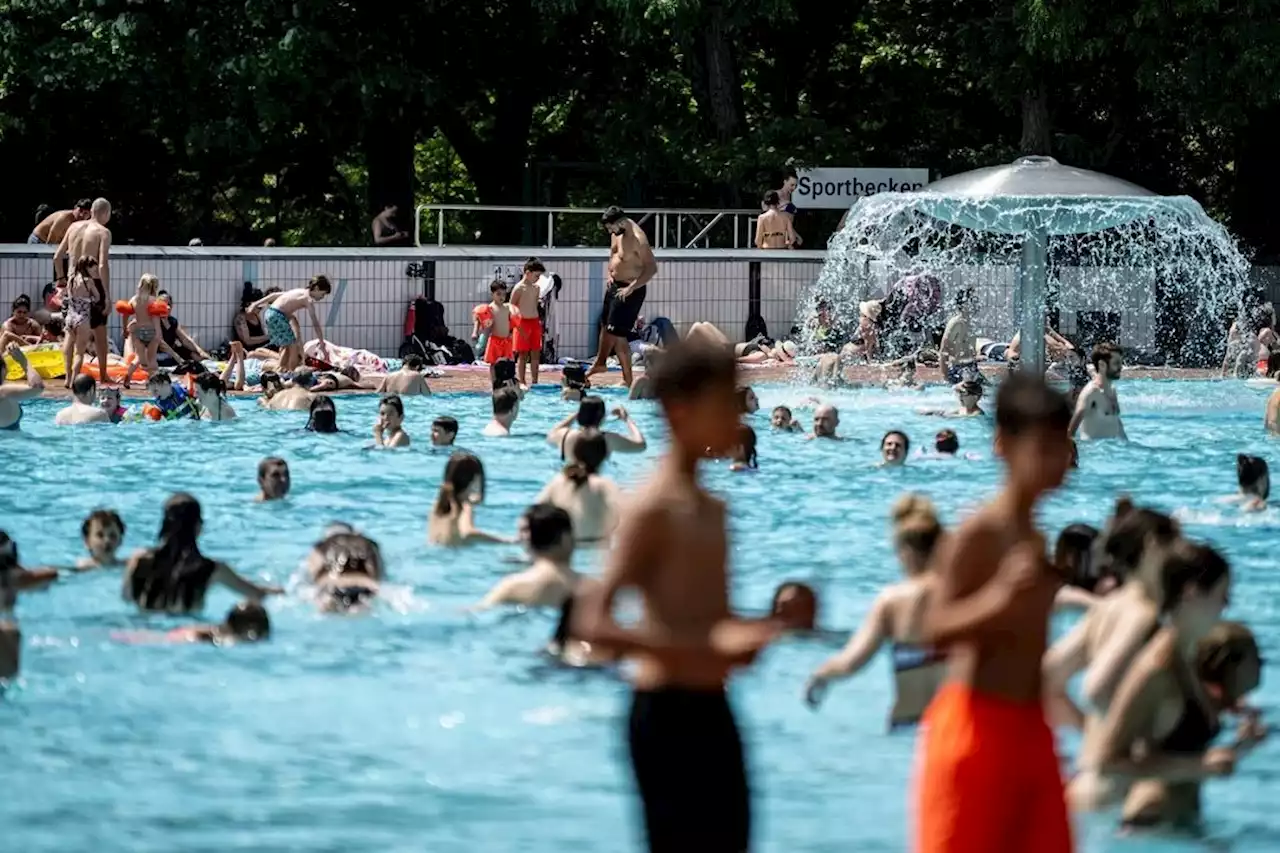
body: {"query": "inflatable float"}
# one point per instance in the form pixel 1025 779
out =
pixel 45 358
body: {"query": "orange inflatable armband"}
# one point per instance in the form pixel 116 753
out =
pixel 123 308
pixel 158 308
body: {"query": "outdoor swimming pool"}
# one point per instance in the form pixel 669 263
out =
pixel 421 728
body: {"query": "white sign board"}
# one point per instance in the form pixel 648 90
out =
pixel 832 189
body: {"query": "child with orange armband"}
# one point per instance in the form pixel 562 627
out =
pixel 989 776
pixel 496 318
pixel 143 331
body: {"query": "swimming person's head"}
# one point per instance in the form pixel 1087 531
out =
pixel 211 391
pixel 174 575
pixel 412 361
pixel 85 389
pixel 1195 581
pixel 1107 360
pixel 304 377
pixel 894 447
pixel 247 622
pixel 969 394
pixel 504 374
pixel 590 412
pixel 916 531
pixel 391 412
pixel 745 452
pixel 343 551
pixel 444 430
pixel 506 406
pixel 589 453
pixel 463 483
pixel 1073 558
pixel 547 530
pixel 781 418
pixel 748 402
pixel 160 385
pixel 1229 663
pixel 697 389
pixel 1031 433
pixel 271 383
pixel 109 400
pixel 796 604
pixel 825 420
pixel 102 531
pixel 946 442
pixel 1254 476
pixel 273 478
pixel 324 415
pixel 1130 536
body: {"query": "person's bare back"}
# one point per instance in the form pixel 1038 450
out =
pixel 54 226
pixel 405 382
pixel 292 301
pixel 773 230
pixel 89 239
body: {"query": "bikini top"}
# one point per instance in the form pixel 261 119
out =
pixel 910 656
pixel 1197 727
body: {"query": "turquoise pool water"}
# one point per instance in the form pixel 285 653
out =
pixel 422 728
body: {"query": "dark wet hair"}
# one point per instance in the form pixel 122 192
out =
pixel 160 377
pixel 248 620
pixel 413 361
pixel 589 453
pixel 446 423
pixel 1026 402
pixel 613 215
pixel 211 382
pixel 505 400
pixel 504 373
pixel 320 283
pixel 772 198
pixel 1251 472
pixel 304 377
pixel 689 370
pixel 104 518
pixel 459 473
pixel 270 377
pixel 743 391
pixel 534 265
pixel 22 301
pixel 270 462
pixel 747 441
pixel 946 441
pixel 84 384
pixel 1073 556
pixel 906 440
pixel 805 595
pixel 1102 353
pixel 548 525
pixel 84 204
pixel 394 401
pixel 324 416
pixel 347 552
pixel 971 388
pixel 1128 533
pixel 8 554
pixel 782 409
pixel 590 412
pixel 1188 564
pixel 1220 654
pixel 174 575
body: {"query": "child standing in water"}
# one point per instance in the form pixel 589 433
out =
pixel 989 777
pixel 671 547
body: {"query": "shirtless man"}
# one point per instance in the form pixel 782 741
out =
pixel 547 532
pixel 407 381
pixel 90 238
pixel 1098 409
pixel 957 353
pixel 54 227
pixel 385 230
pixel 527 325
pixel 989 778
pixel 773 227
pixel 686 752
pixel 826 419
pixel 278 397
pixel 84 409
pixel 631 266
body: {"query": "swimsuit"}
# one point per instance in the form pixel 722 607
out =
pixel 33 240
pixel 909 656
pixel 495 349
pixel 79 309
pixel 177 405
pixel 620 315
pixel 279 330
pixel 14 426
pixel 989 781
pixel 527 334
pixel 687 757
pixel 146 334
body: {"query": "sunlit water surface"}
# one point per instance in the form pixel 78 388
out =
pixel 420 727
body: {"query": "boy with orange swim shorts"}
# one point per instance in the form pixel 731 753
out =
pixel 989 778
pixel 527 325
pixel 496 318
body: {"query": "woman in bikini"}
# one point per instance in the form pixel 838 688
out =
pixel 81 295
pixel 590 499
pixel 773 227
pixel 918 669
pixel 452 521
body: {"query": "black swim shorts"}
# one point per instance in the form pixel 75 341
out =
pixel 620 315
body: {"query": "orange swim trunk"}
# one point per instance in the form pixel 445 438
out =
pixel 527 334
pixel 497 349
pixel 988 779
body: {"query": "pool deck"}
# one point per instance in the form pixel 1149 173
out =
pixel 476 379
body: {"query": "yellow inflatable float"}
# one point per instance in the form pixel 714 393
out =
pixel 45 358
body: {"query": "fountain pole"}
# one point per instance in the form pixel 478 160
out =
pixel 1032 278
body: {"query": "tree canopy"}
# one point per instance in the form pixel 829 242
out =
pixel 298 121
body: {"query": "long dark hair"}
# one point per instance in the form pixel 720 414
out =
pixel 459 473
pixel 324 415
pixel 174 575
pixel 589 453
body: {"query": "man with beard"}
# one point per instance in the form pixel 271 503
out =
pixel 1098 409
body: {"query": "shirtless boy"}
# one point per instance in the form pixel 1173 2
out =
pixel 773 227
pixel 989 778
pixel 84 409
pixel 273 480
pixel 388 429
pixel 407 381
pixel 526 324
pixel 631 266
pixel 686 752
pixel 1097 408
pixel 90 238
pixel 278 310
pixel 54 227
pixel 102 532
pixel 495 320
pixel 548 533
pixel 958 350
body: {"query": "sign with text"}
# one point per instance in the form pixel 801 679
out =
pixel 839 188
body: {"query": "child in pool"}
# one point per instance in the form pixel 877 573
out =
pixel 102 532
pixel 247 622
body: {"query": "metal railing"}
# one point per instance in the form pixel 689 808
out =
pixel 675 228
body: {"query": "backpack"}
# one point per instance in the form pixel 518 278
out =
pixel 428 321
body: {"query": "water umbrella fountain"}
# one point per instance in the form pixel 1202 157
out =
pixel 1094 240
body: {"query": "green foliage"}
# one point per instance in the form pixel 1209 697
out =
pixel 237 122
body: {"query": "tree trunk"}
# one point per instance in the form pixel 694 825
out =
pixel 723 89
pixel 389 140
pixel 1037 131
pixel 1254 215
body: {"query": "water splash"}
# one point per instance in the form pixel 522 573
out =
pixel 1153 273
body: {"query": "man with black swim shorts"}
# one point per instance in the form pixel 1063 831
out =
pixel 631 265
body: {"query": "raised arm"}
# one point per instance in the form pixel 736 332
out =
pixel 34 386
pixel 1113 659
pixel 263 303
pixel 556 436
pixel 632 442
